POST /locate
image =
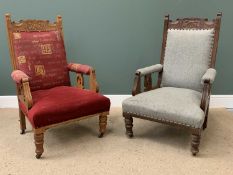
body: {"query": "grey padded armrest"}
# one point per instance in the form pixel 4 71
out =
pixel 209 76
pixel 150 69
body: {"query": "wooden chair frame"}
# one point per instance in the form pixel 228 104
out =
pixel 23 89
pixel 185 23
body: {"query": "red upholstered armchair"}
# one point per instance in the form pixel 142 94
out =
pixel 41 74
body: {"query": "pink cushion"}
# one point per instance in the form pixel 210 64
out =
pixel 79 68
pixel 18 75
pixel 63 103
pixel 41 55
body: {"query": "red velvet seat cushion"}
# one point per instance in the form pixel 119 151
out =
pixel 63 103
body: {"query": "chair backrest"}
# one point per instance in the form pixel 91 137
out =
pixel 37 48
pixel 189 48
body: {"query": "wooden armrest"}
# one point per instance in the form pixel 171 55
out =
pixel 81 69
pixel 209 76
pixel 93 85
pixel 205 96
pixel 151 69
pixel 147 83
pixel 137 84
pixel 22 81
pixel 25 97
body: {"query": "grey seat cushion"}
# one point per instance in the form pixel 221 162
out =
pixel 187 57
pixel 177 105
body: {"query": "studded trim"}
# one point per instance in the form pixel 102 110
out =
pixel 161 120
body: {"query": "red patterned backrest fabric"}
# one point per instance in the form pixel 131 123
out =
pixel 42 56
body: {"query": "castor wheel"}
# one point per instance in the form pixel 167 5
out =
pixel 22 131
pixel 101 135
pixel 38 156
pixel 130 135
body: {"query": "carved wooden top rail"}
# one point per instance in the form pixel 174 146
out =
pixel 193 23
pixel 34 25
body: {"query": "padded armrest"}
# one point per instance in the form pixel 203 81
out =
pixel 209 76
pixel 18 76
pixel 150 69
pixel 79 68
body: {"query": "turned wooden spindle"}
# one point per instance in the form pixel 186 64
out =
pixel 129 126
pixel 195 144
pixel 102 125
pixel 39 141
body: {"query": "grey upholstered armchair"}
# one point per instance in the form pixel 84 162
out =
pixel 185 75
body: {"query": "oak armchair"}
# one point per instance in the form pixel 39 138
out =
pixel 185 76
pixel 41 74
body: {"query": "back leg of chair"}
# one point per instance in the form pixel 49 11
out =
pixel 22 122
pixel 39 142
pixel 129 125
pixel 102 124
pixel 195 143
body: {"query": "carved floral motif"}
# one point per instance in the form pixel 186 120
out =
pixel 33 25
pixel 191 23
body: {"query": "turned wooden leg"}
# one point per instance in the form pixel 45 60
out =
pixel 39 141
pixel 195 143
pixel 129 126
pixel 22 122
pixel 102 125
pixel 206 119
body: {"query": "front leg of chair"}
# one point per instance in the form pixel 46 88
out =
pixel 205 102
pixel 22 122
pixel 206 118
pixel 195 143
pixel 102 124
pixel 137 85
pixel 39 141
pixel 129 126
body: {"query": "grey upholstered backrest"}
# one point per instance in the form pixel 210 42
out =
pixel 187 57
